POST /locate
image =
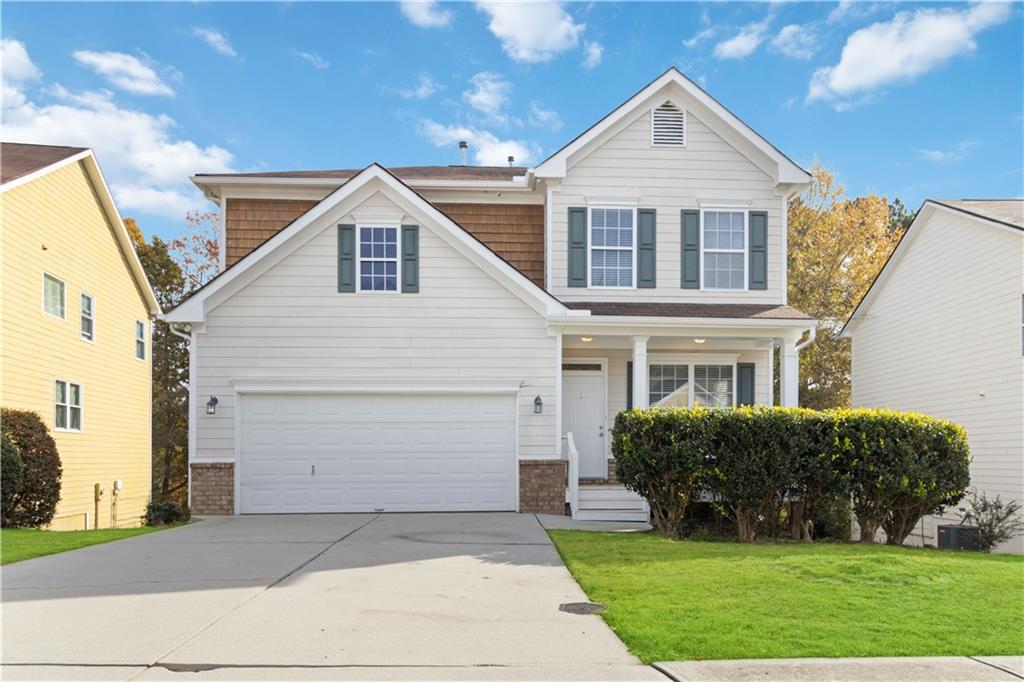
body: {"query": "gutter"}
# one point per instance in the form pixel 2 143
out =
pixel 811 336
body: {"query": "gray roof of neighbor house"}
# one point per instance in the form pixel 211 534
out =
pixel 1006 211
pixel 18 160
pixel 405 173
pixel 739 311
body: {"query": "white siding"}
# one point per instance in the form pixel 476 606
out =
pixel 943 337
pixel 668 179
pixel 290 323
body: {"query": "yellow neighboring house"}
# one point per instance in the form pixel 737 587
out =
pixel 75 329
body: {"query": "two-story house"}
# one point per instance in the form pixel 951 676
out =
pixel 75 330
pixel 426 338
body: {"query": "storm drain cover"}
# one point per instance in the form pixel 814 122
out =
pixel 582 608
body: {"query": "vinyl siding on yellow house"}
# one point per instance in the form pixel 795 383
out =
pixel 57 224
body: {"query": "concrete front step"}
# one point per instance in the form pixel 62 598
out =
pixel 623 503
pixel 607 492
pixel 639 516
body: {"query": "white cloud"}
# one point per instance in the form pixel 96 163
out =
pixel 852 10
pixel 313 58
pixel 487 149
pixel 424 88
pixel 489 95
pixel 532 31
pixel 147 164
pixel 959 151
pixel 795 41
pixel 544 118
pixel 124 72
pixel 902 49
pixel 700 37
pixel 215 39
pixel 593 51
pixel 426 14
pixel 743 43
pixel 16 68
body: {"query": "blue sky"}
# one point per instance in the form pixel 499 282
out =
pixel 907 100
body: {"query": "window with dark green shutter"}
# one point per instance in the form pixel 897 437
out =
pixel 346 258
pixel 410 259
pixel 758 250
pixel 744 383
pixel 646 248
pixel 577 247
pixel 690 225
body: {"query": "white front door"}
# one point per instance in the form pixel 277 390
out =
pixel 583 415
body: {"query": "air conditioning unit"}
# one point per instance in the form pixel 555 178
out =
pixel 954 536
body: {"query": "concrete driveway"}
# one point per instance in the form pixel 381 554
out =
pixel 398 596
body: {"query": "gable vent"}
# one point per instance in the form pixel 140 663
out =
pixel 668 126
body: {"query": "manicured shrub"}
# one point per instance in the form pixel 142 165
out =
pixel 12 477
pixel 165 512
pixel 997 521
pixel 36 502
pixel 819 482
pixel 659 454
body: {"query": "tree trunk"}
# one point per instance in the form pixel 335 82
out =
pixel 796 519
pixel 867 531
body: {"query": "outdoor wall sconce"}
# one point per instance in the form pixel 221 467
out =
pixel 538 405
pixel 211 405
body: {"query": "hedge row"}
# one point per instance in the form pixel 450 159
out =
pixel 894 467
pixel 30 470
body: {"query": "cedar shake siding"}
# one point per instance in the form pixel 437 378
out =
pixel 513 231
pixel 250 222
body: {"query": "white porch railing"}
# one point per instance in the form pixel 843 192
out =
pixel 573 491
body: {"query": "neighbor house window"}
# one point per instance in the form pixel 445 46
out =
pixel 67 405
pixel 724 249
pixel 140 340
pixel 87 317
pixel 378 259
pixel 713 385
pixel 53 296
pixel 611 247
pixel 664 380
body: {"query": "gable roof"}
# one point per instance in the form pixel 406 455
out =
pixel 788 171
pixel 32 161
pixel 404 173
pixel 192 309
pixel 999 213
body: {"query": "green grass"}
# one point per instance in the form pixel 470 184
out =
pixel 677 600
pixel 18 544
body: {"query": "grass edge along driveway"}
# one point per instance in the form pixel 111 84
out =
pixel 19 544
pixel 680 600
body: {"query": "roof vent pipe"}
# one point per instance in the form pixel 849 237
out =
pixel 463 149
pixel 511 161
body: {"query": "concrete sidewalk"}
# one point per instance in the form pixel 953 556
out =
pixel 936 669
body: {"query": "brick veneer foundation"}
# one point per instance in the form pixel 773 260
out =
pixel 542 486
pixel 213 488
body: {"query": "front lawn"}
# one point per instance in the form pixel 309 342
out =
pixel 18 544
pixel 676 600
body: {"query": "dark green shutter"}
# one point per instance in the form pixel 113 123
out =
pixel 577 247
pixel 745 383
pixel 691 249
pixel 629 384
pixel 346 258
pixel 758 250
pixel 646 248
pixel 410 259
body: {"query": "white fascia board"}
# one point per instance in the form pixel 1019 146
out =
pixel 25 179
pixel 215 185
pixel 668 326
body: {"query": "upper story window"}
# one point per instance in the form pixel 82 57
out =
pixel 140 340
pixel 378 259
pixel 54 299
pixel 724 242
pixel 87 317
pixel 668 126
pixel 67 405
pixel 612 247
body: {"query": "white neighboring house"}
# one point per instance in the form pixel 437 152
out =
pixel 427 338
pixel 941 331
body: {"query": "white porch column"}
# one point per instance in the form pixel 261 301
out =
pixel 640 393
pixel 789 373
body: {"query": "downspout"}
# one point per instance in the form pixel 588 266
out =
pixel 187 335
pixel 811 336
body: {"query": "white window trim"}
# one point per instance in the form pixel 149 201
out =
pixel 398 259
pixel 144 339
pixel 64 295
pixel 745 250
pixel 692 361
pixel 92 317
pixel 590 246
pixel 67 395
pixel 686 126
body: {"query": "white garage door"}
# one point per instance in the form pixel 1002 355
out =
pixel 359 453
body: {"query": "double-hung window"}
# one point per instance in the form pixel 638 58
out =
pixel 682 382
pixel 53 296
pixel 612 242
pixel 725 244
pixel 664 380
pixel 713 385
pixel 140 340
pixel 378 259
pixel 67 405
pixel 87 317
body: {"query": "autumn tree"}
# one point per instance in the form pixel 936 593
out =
pixel 198 251
pixel 836 248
